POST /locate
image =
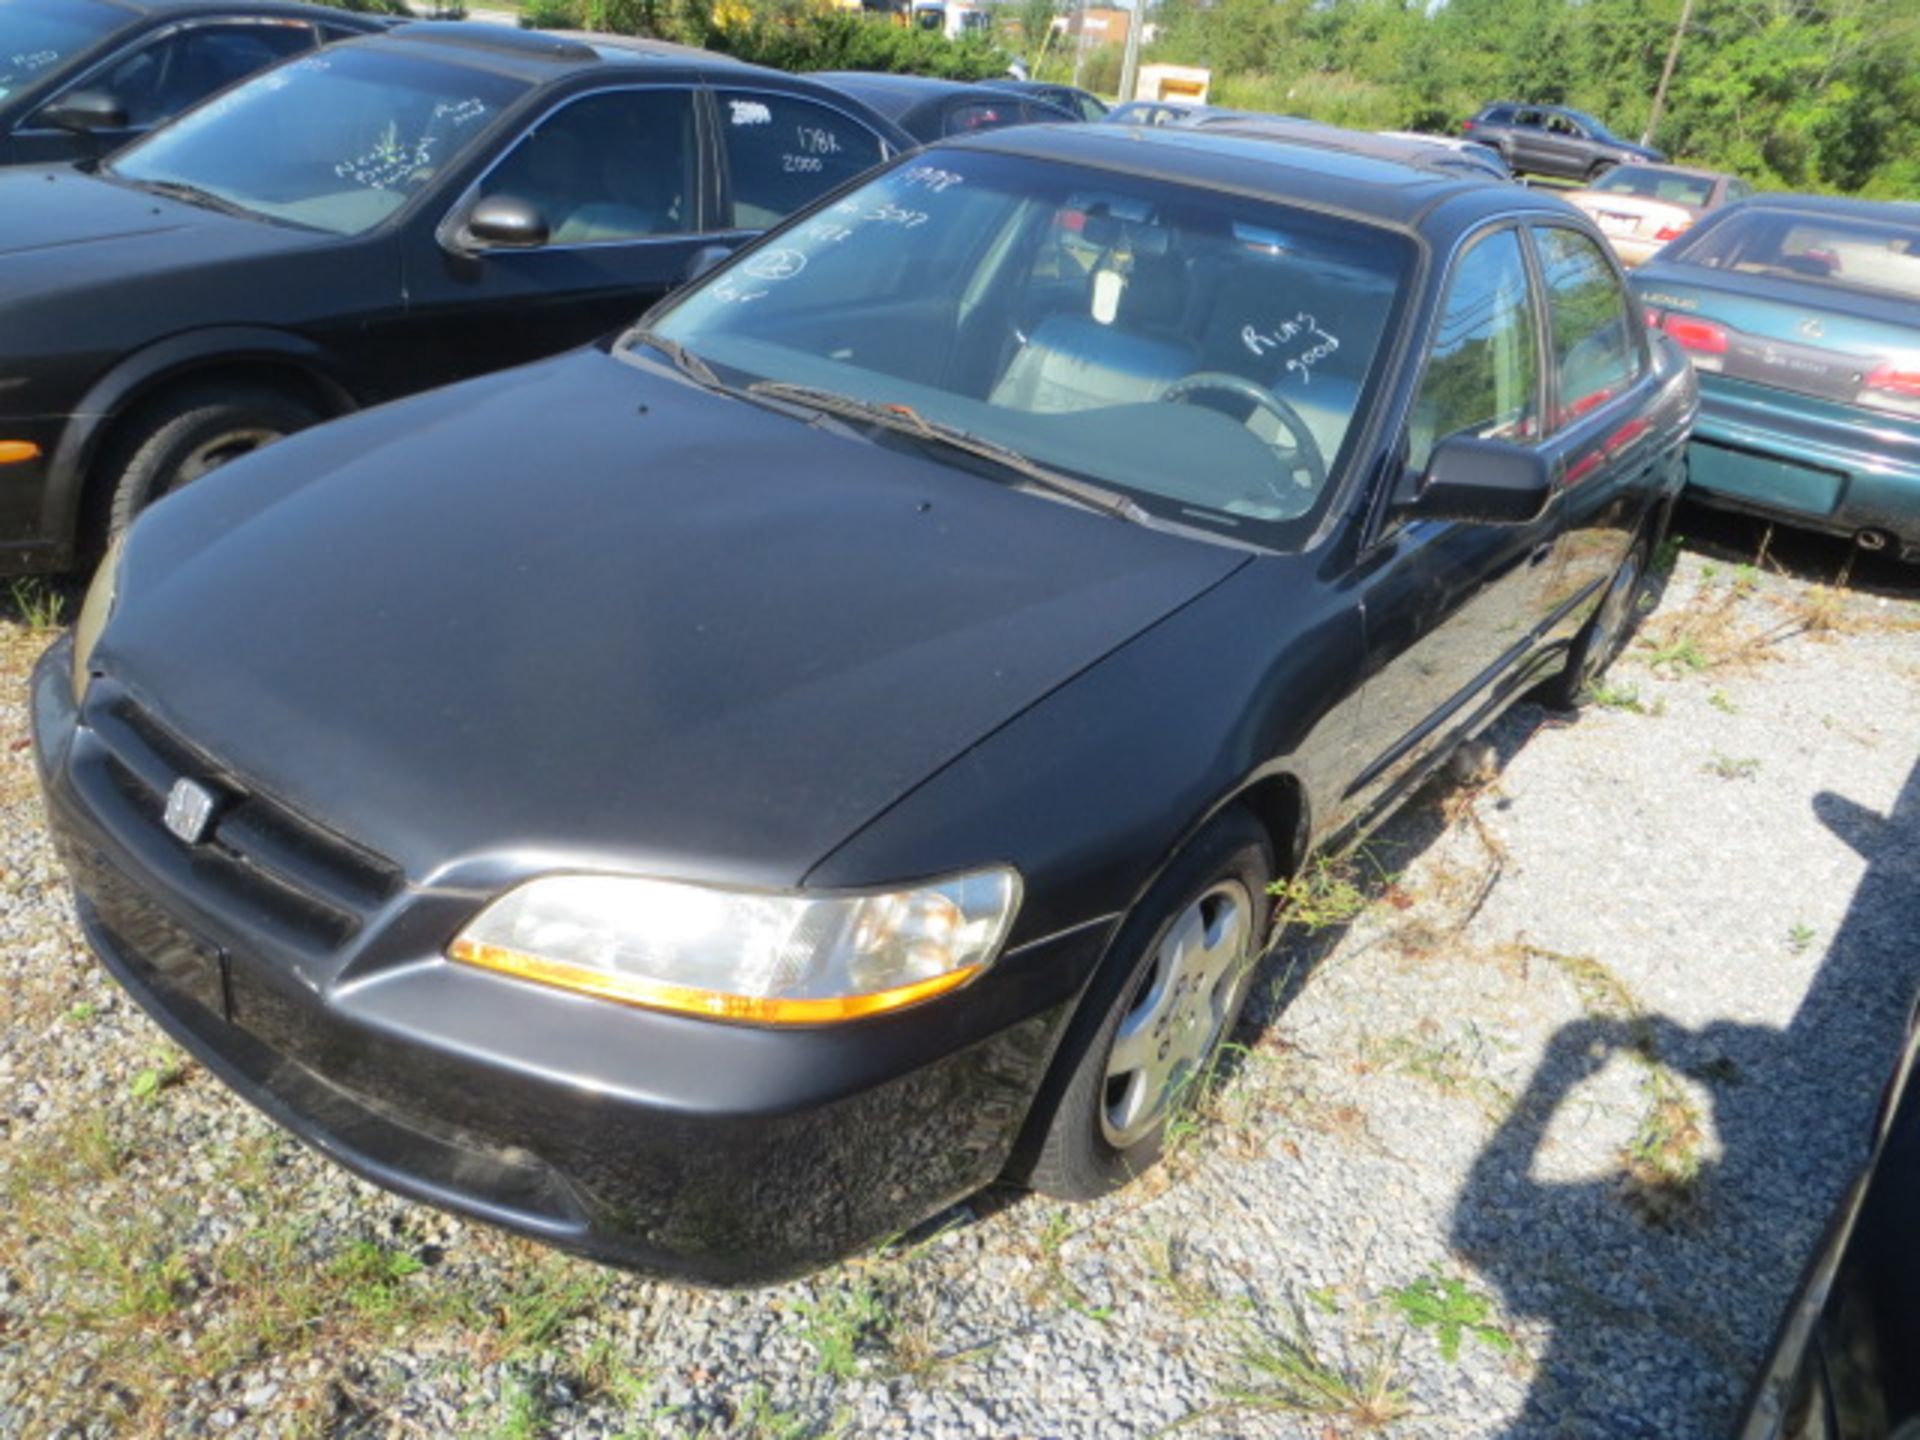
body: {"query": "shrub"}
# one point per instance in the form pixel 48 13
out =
pixel 786 34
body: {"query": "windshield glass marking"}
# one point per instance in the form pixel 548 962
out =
pixel 1125 332
pixel 333 142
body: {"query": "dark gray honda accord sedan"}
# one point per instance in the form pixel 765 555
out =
pixel 711 800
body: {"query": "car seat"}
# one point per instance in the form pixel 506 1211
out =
pixel 1073 361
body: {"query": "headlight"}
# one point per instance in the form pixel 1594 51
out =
pixel 94 611
pixel 745 955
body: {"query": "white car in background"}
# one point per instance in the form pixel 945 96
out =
pixel 1640 208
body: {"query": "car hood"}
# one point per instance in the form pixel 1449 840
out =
pixel 587 614
pixel 64 229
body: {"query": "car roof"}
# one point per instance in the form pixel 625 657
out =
pixel 271 7
pixel 1418 152
pixel 1389 191
pixel 540 56
pixel 1665 169
pixel 1907 212
pixel 910 87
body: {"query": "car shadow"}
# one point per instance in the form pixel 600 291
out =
pixel 1734 538
pixel 1709 1269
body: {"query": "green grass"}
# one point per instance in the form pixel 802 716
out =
pixel 1284 1368
pixel 1447 1307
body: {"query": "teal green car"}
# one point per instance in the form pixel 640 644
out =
pixel 1802 316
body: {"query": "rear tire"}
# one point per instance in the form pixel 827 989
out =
pixel 190 434
pixel 1153 1020
pixel 1599 168
pixel 1604 635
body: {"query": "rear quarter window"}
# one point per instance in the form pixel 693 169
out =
pixel 785 151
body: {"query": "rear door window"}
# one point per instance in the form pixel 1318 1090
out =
pixel 783 152
pixel 621 165
pixel 1596 348
pixel 1483 369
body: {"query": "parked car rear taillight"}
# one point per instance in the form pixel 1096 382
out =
pixel 1702 339
pixel 1669 232
pixel 1893 380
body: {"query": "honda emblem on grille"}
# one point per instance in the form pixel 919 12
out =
pixel 189 808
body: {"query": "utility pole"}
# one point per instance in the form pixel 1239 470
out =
pixel 1666 72
pixel 1130 66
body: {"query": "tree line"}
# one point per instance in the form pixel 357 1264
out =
pixel 1793 94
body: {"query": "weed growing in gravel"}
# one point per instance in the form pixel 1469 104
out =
pixel 1666 554
pixel 1285 1370
pixel 1681 655
pixel 841 1323
pixel 521 1412
pixel 756 1417
pixel 1611 695
pixel 1729 768
pixel 168 1067
pixel 1800 938
pixel 1663 1158
pixel 1327 892
pixel 1451 1310
pixel 1720 701
pixel 40 606
pixel 1446 1066
pixel 1661 1163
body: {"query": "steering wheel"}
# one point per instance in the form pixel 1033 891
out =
pixel 1302 459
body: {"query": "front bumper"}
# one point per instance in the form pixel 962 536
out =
pixel 1826 466
pixel 724 1154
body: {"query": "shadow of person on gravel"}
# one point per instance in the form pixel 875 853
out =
pixel 1662 1284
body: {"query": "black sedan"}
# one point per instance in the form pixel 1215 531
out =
pixel 390 214
pixel 78 77
pixel 930 109
pixel 711 800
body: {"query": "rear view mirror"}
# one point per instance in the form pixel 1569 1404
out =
pixel 706 259
pixel 85 112
pixel 507 222
pixel 1492 482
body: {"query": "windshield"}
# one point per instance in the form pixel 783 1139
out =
pixel 1849 253
pixel 337 141
pixel 1204 353
pixel 38 36
pixel 1692 190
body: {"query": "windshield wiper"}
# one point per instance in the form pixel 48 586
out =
pixel 195 195
pixel 684 360
pixel 908 421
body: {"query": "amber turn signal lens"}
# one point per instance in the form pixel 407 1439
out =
pixel 18 452
pixel 712 1004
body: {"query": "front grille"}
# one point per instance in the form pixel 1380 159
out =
pixel 289 873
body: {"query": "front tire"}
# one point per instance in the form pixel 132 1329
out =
pixel 1604 635
pixel 189 435
pixel 1154 1020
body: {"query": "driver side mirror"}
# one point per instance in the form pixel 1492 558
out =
pixel 1489 482
pixel 508 223
pixel 85 112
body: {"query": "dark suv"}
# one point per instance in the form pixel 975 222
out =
pixel 1553 140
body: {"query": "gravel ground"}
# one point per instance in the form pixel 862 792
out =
pixel 1530 1137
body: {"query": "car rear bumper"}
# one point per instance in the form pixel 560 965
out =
pixel 718 1153
pixel 1837 468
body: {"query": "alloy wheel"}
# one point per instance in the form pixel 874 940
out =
pixel 1179 1007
